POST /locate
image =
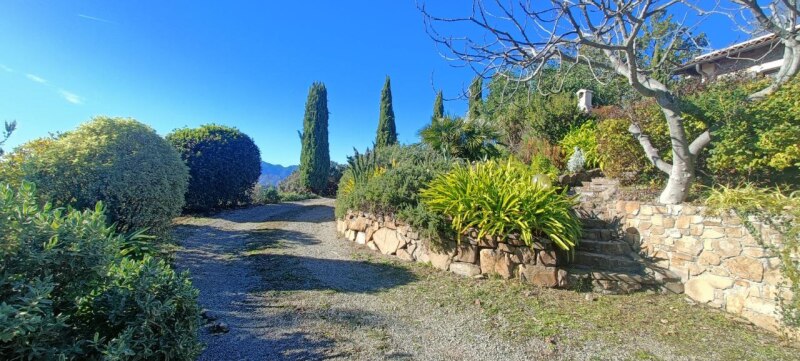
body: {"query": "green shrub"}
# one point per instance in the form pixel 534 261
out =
pixel 553 116
pixel 620 154
pixel 388 181
pixel 123 163
pixel 15 166
pixel 224 164
pixel 540 164
pixel 69 293
pixel 500 198
pixel 292 183
pixel 262 194
pixel 757 142
pixel 295 196
pixel 780 212
pixel 585 138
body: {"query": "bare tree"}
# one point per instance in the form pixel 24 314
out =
pixel 778 17
pixel 525 39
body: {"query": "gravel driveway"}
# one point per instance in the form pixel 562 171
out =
pixel 285 288
pixel 288 289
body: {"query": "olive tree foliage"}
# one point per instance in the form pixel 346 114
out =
pixel 779 17
pixel 526 39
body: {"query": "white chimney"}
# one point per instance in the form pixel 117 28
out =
pixel 585 100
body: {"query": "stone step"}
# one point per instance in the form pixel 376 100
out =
pixel 604 247
pixel 612 282
pixel 599 234
pixel 590 223
pixel 608 262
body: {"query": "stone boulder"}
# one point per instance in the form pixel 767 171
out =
pixel 540 275
pixel 386 240
pixel 440 260
pixel 465 269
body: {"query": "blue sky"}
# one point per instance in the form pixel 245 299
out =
pixel 247 64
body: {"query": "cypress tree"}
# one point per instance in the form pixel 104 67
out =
pixel 438 106
pixel 387 133
pixel 476 98
pixel 315 157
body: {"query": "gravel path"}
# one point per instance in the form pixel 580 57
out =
pixel 288 289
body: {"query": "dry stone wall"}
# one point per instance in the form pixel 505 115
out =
pixel 508 257
pixel 717 259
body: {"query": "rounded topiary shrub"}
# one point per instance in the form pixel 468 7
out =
pixel 121 162
pixel 224 164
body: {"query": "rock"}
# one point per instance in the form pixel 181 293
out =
pixel 411 248
pixel 466 253
pixel 702 288
pixel 361 238
pixel 421 253
pixel 487 242
pixel 386 240
pixel 539 275
pixel 689 245
pixel 745 267
pixel 404 255
pixel 465 269
pixel 341 226
pixel 547 258
pixel 523 254
pixel 350 235
pixel 734 302
pixel 358 225
pixel 371 245
pixel 699 290
pixel 504 247
pixel 562 276
pixel 503 265
pixel 760 305
pixel 219 327
pixel 708 258
pixel 712 233
pixel 370 232
pixel 487 260
pixel 440 260
pixel 727 247
pixel 208 315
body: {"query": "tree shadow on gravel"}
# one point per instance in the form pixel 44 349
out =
pixel 287 212
pixel 282 272
pixel 256 334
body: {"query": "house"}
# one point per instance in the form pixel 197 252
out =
pixel 759 56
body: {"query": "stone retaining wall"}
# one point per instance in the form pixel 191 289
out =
pixel 720 263
pixel 508 258
pixel 716 258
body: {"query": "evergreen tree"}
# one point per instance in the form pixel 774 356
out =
pixel 476 98
pixel 315 157
pixel 387 133
pixel 438 106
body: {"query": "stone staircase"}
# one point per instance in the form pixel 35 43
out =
pixel 603 260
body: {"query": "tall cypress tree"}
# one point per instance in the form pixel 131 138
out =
pixel 476 98
pixel 315 157
pixel 387 133
pixel 438 106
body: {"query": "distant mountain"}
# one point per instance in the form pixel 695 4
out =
pixel 272 174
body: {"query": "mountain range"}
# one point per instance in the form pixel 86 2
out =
pixel 272 174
